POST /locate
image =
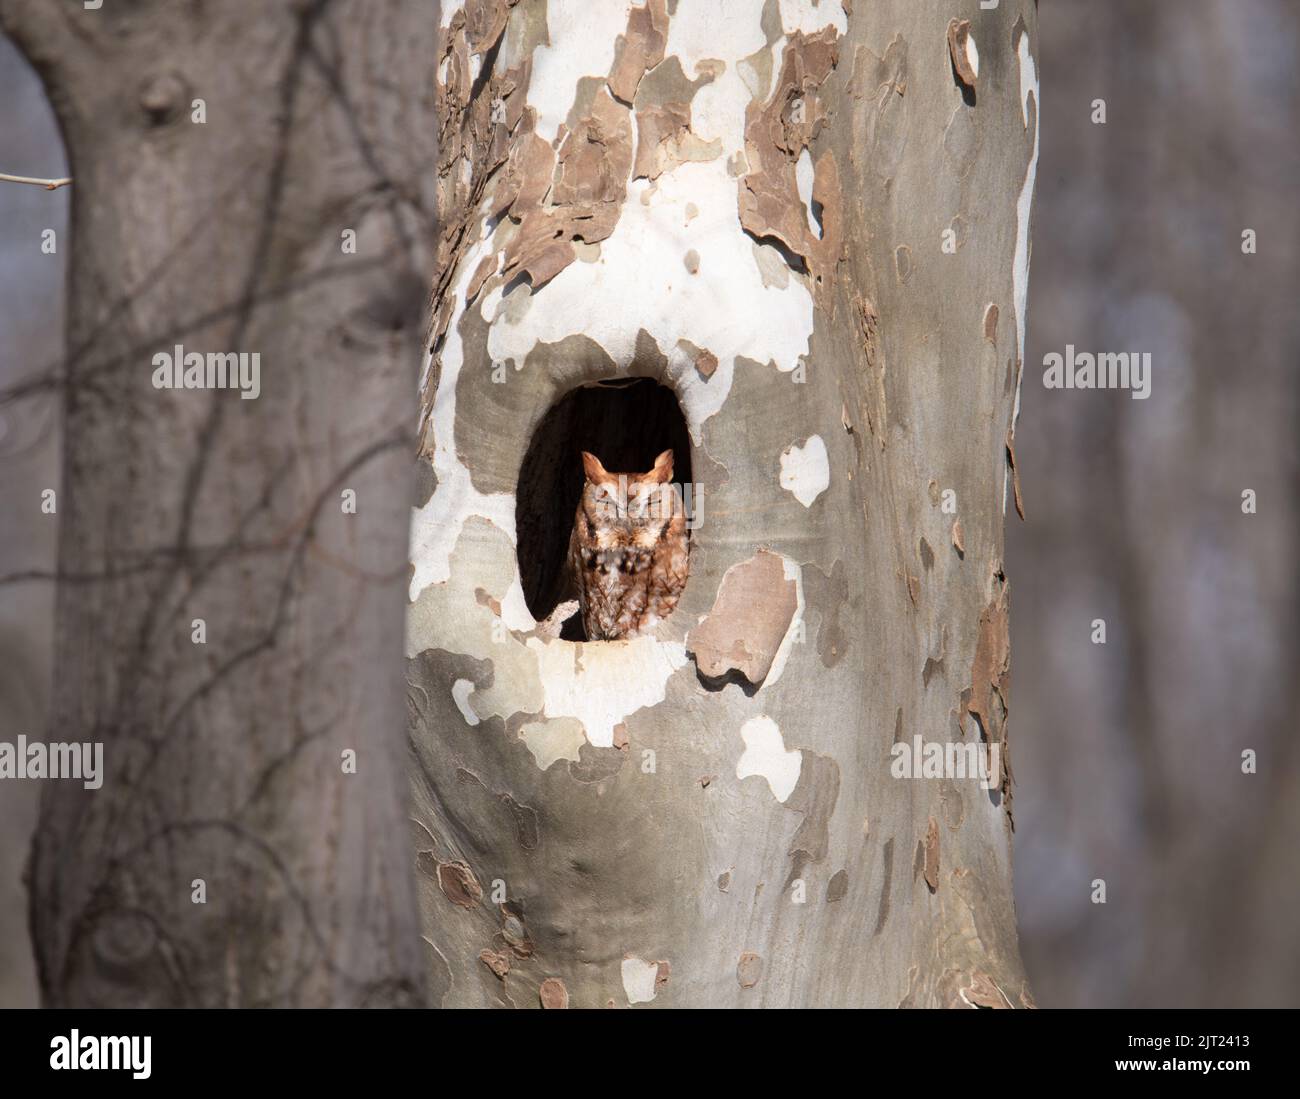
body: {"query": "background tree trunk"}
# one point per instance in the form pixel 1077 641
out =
pixel 1142 785
pixel 747 204
pixel 224 760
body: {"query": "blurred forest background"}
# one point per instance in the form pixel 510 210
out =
pixel 1127 755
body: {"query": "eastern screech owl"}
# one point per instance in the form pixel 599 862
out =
pixel 628 550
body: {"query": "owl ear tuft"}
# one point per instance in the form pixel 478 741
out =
pixel 662 472
pixel 596 473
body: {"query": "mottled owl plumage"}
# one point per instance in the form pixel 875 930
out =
pixel 628 551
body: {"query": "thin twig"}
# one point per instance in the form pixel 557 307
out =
pixel 48 184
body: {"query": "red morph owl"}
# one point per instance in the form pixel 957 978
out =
pixel 629 549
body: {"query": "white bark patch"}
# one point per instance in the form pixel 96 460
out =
pixel 1020 273
pixel 436 527
pixel 460 692
pixel 582 41
pixel 448 9
pixel 549 741
pixel 1024 204
pixel 718 32
pixel 638 282
pixel 806 470
pixel 450 616
pixel 809 16
pixel 602 684
pixel 765 755
pixel 732 31
pixel 581 691
pixel 639 978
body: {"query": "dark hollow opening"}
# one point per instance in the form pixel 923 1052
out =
pixel 625 423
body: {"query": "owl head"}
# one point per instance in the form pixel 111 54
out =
pixel 628 510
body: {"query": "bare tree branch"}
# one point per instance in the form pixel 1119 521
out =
pixel 48 184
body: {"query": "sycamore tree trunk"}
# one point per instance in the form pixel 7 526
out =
pixel 249 844
pixel 808 224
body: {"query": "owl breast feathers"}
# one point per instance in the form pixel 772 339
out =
pixel 628 550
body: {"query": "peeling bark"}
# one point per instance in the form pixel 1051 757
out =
pixel 750 618
pixel 771 251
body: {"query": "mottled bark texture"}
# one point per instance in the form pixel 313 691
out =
pixel 224 760
pixel 748 203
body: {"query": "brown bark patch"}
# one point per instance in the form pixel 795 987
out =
pixel 873 400
pixel 958 33
pixel 931 868
pixel 706 362
pixel 553 994
pixel 989 700
pixel 513 933
pixel 497 961
pixel 640 49
pixel 527 177
pixel 981 992
pixel 458 884
pixel 485 599
pixel 593 161
pixel 665 140
pixel 963 708
pixel 776 133
pixel 487 265
pixel 750 616
pixel 1015 475
pixel 476 121
pixel 579 200
pixel 991 323
pixel 990 670
pixel 749 969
